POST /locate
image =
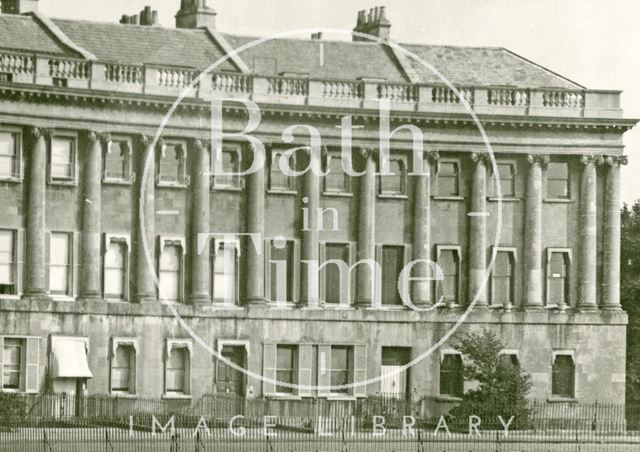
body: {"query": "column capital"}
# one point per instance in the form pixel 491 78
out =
pixel 432 156
pixel 592 160
pixel 145 139
pixel 368 152
pixel 38 132
pixel 200 144
pixel 542 159
pixel 616 160
pixel 480 157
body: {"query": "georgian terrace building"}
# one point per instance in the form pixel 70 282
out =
pixel 80 103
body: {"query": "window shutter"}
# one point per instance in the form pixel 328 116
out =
pixel 377 276
pixel 360 369
pixel 32 365
pixel 296 271
pixel 75 270
pixel 267 269
pixel 19 246
pixel 47 258
pixel 324 370
pixel 269 369
pixel 322 257
pixel 353 250
pixel 406 285
pixel 1 360
pixel 304 369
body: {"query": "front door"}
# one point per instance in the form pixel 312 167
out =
pixel 229 380
pixel 69 396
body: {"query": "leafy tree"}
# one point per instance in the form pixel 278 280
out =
pixel 500 386
pixel 630 294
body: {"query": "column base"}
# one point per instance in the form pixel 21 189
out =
pixel 144 299
pixel 201 299
pixel 588 308
pixel 39 296
pixel 256 301
pixel 614 308
pixel 363 304
pixel 533 307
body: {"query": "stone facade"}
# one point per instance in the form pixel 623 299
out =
pixel 588 324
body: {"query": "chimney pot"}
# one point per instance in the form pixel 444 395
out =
pixel 154 17
pixel 383 10
pixel 377 14
pixel 374 22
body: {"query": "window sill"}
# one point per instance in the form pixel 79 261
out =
pixel 558 399
pixel 388 308
pixel 392 196
pixel 106 181
pixel 558 201
pixel 448 198
pixel 11 179
pixel 448 399
pixel 123 395
pixel 503 199
pixel 176 397
pixel 62 183
pixel 222 307
pixel 227 189
pixel 272 191
pixel 171 185
pixel 115 300
pixel 337 194
pixel 337 307
pixel 63 298
pixel 9 297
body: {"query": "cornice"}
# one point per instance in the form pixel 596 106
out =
pixel 47 93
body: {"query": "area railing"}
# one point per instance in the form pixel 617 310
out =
pixel 169 80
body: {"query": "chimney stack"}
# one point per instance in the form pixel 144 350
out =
pixel 18 6
pixel 316 36
pixel 195 14
pixel 146 17
pixel 374 23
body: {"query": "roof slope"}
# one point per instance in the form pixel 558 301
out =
pixel 133 44
pixel 483 66
pixel 24 33
pixel 136 44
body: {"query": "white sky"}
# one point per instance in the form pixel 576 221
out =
pixel 593 42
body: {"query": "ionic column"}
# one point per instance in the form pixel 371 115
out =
pixel 309 284
pixel 200 271
pixel 145 284
pixel 35 252
pixel 421 249
pixel 611 248
pixel 533 233
pixel 91 209
pixel 478 231
pixel 588 239
pixel 366 230
pixel 255 225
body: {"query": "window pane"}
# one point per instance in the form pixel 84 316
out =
pixel 339 358
pixel 451 378
pixel 392 263
pixel 172 164
pixel 60 262
pixel 449 264
pixel 503 279
pixel 8 154
pixel 563 378
pixel 506 173
pixel 340 368
pixel 448 179
pixel 6 258
pixel 285 366
pixel 338 252
pixel 121 368
pixel 114 270
pixel 62 158
pixel 12 363
pixel 176 365
pixel 277 179
pixel 116 160
pixel 278 255
pixel 230 167
pixel 336 180
pixel 170 272
pixel 394 182
pixel 557 180
pixel 224 272
pixel 557 279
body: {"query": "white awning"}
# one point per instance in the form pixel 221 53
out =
pixel 70 358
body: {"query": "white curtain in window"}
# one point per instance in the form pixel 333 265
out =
pixel 61 157
pixel 60 260
pixel 170 273
pixel 114 270
pixel 6 257
pixel 224 273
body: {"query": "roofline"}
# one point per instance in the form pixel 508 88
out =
pixel 228 50
pixel 579 85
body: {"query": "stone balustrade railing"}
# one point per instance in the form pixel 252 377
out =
pixel 171 81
